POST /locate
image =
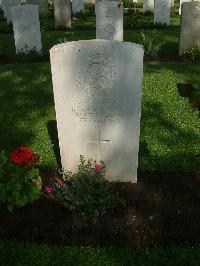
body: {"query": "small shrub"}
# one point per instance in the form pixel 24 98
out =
pixel 192 91
pixel 151 43
pixel 137 20
pixel 193 54
pixel 20 182
pixel 87 191
pixel 82 15
pixel 90 10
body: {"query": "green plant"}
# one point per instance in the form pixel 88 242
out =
pixel 151 43
pixel 90 9
pixel 82 15
pixel 137 20
pixel 87 191
pixel 193 54
pixel 20 182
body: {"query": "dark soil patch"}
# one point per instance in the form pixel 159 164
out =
pixel 46 59
pixel 20 60
pixel 160 210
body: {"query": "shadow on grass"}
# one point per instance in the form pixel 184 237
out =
pixel 53 133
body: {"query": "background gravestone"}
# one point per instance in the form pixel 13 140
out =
pixel 180 4
pixel 26 27
pixel 148 6
pixel 190 26
pixel 109 20
pixel 77 6
pixel 8 4
pixel 62 13
pixel 162 10
pixel 97 91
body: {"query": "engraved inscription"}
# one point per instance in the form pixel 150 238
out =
pixel 97 74
pixel 99 113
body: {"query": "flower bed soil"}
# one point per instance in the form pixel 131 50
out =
pixel 161 210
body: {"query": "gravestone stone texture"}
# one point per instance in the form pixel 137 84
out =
pixel 162 12
pixel 77 6
pixel 62 13
pixel 26 27
pixel 180 4
pixel 109 20
pixel 97 91
pixel 8 4
pixel 148 6
pixel 190 26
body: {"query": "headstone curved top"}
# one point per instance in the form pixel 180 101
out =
pixel 8 4
pixel 109 20
pixel 97 91
pixel 190 26
pixel 26 27
pixel 180 5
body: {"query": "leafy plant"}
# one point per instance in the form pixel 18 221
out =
pixel 193 54
pixel 86 191
pixel 151 43
pixel 90 9
pixel 137 20
pixel 82 15
pixel 20 182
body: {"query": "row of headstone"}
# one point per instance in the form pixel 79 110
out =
pixel 160 8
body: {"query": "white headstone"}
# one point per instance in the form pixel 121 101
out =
pixel 62 13
pixel 7 5
pixel 148 6
pixel 180 4
pixel 190 26
pixel 109 20
pixel 26 27
pixel 162 12
pixel 77 6
pixel 97 91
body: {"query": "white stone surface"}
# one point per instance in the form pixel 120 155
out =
pixel 190 26
pixel 109 20
pixel 97 91
pixel 26 27
pixel 180 4
pixel 62 13
pixel 148 6
pixel 77 6
pixel 7 5
pixel 162 11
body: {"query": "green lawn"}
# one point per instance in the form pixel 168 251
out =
pixel 170 129
pixel 16 254
pixel 86 30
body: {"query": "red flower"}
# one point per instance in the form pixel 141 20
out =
pixel 60 183
pixel 24 156
pixel 98 167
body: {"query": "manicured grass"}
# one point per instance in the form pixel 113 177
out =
pixel 170 129
pixel 86 30
pixel 50 38
pixel 17 254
